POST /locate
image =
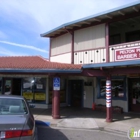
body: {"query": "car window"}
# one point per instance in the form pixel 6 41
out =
pixel 12 106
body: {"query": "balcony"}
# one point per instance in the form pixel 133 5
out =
pixel 98 55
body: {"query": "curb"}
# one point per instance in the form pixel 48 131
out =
pixel 38 122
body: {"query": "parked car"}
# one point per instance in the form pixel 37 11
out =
pixel 16 119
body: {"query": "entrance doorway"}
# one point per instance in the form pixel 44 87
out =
pixel 76 91
pixel 134 94
pixel 16 86
pixel 12 86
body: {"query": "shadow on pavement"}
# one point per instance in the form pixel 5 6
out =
pixel 70 112
pixel 47 133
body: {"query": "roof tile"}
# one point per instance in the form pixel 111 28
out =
pixel 33 62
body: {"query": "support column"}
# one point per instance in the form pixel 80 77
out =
pixel 108 100
pixel 72 49
pixel 56 104
pixel 107 42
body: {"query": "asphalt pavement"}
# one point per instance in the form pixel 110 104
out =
pixel 84 118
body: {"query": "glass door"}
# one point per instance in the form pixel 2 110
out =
pixel 134 96
pixel 7 86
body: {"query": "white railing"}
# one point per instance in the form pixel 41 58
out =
pixel 90 56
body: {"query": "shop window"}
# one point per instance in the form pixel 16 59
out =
pixel 40 89
pixel 8 86
pixel 62 90
pixel 117 88
pixel 34 89
pixel 27 88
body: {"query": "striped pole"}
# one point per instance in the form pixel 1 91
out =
pixel 108 101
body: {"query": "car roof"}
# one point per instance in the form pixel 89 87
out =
pixel 12 96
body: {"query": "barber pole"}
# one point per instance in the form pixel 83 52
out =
pixel 108 93
pixel 108 100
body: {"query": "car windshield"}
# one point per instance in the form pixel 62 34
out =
pixel 12 106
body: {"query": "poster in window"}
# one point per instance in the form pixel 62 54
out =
pixel 39 86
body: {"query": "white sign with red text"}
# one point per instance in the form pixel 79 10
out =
pixel 127 54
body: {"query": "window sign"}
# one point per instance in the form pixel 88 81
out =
pixel 34 89
pixel 39 86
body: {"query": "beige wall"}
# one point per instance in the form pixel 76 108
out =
pixel 61 44
pixel 63 58
pixel 89 38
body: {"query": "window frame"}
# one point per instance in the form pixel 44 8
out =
pixel 113 78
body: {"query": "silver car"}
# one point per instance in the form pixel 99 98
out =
pixel 16 119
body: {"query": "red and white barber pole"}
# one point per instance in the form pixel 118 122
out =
pixel 108 101
pixel 108 93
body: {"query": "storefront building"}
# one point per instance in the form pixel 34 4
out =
pixel 107 45
pixel 96 58
pixel 32 77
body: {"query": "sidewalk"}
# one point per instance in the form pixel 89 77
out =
pixel 87 119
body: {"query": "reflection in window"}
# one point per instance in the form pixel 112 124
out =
pixel 8 84
pixel 34 89
pixel 28 82
pixel 40 89
pixel 136 92
pixel 117 86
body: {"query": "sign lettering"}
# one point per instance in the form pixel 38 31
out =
pixel 127 54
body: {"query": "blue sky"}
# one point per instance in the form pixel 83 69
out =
pixel 22 21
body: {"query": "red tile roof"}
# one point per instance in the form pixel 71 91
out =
pixel 34 62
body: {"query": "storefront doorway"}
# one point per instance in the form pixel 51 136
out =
pixel 12 86
pixel 134 94
pixel 76 92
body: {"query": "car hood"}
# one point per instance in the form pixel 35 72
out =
pixel 10 122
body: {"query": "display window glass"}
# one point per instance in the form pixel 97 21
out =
pixel 117 88
pixel 34 89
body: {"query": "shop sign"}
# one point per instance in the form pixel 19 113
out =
pixel 40 96
pixel 28 95
pixel 127 54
